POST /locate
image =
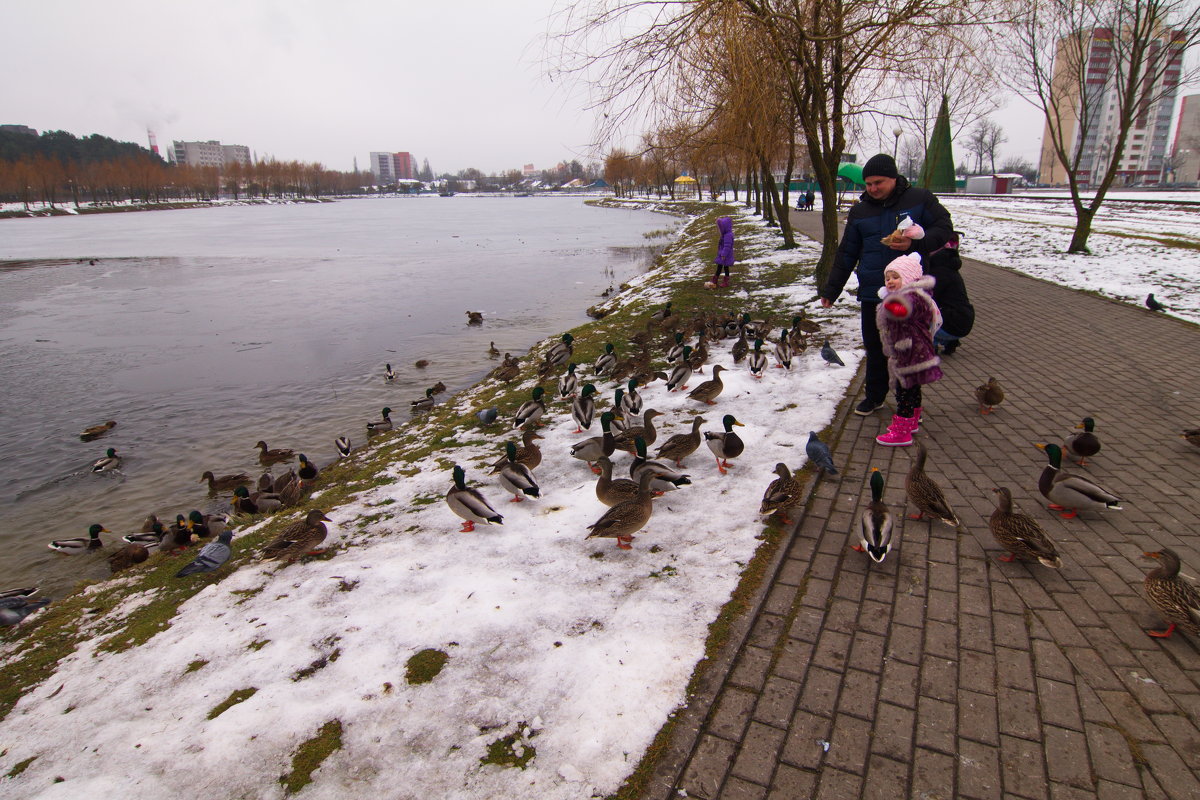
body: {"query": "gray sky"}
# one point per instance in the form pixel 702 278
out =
pixel 460 82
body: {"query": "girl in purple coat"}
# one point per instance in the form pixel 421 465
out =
pixel 724 258
pixel 907 320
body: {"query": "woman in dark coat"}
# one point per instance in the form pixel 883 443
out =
pixel 950 294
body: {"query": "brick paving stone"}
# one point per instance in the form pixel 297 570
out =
pixel 1063 791
pixel 859 694
pixel 780 599
pixel 978 717
pixel 766 630
pixel 1150 696
pixel 777 702
pixel 935 724
pixel 978 770
pixel 708 766
pixel 885 779
pixel 1066 759
pixel 832 649
pixel 732 713
pixel 1171 772
pixel 1107 790
pixel 807 624
pixel 1009 631
pixel 842 615
pixel 1091 665
pixel 738 789
pixel 802 747
pixel 893 733
pixel 1130 717
pixel 933 775
pixel 1022 768
pixel 794 659
pixel 977 671
pixel 975 633
pixel 791 783
pixel 1059 704
pixel 904 644
pixel 866 652
pixel 1018 712
pixel 750 671
pixel 837 785
pixel 1183 736
pixel 1049 662
pixel 759 753
pixel 1014 668
pixel 939 678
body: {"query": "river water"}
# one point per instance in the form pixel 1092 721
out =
pixel 202 331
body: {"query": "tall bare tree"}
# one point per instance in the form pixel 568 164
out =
pixel 1095 68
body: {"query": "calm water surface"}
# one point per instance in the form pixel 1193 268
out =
pixel 202 331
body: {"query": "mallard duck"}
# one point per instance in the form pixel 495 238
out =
pixel 474 317
pixel 424 403
pixel 197 523
pixel 708 391
pixel 682 445
pixel 342 443
pixel 1085 444
pixel 211 556
pixel 379 425
pixel 591 449
pixel 421 363
pixel 1175 599
pixel 989 396
pixel 646 432
pixel 179 534
pixel 389 374
pixel 516 477
pixel 289 494
pixel 1068 492
pixel 606 361
pixel 528 453
pixel 280 483
pixel 109 461
pixel 1191 436
pixel 783 351
pixel 631 404
pixel 73 547
pixel 1020 534
pixel 758 360
pixel 740 348
pixel 559 353
pixel 801 324
pixel 258 503
pixel 753 328
pixel 568 384
pixel 470 504
pixel 830 355
pixel 127 556
pixel 725 444
pixel 225 482
pixel 675 351
pixel 819 454
pixel 699 355
pixel 662 314
pixel 682 371
pixel 531 410
pixel 782 495
pixel 438 388
pixel 307 470
pixel 298 539
pixel 609 491
pixel 151 539
pixel 925 494
pixel 665 478
pixel 875 523
pixel 15 609
pixel 626 518
pixel 267 456
pixel 24 591
pixel 583 408
pixel 96 431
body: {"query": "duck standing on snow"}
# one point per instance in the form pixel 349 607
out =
pixel 708 391
pixel 516 477
pixel 682 445
pixel 1085 444
pixel 606 361
pixel 681 372
pixel 646 431
pixel 583 408
pixel 298 539
pixel 1069 493
pixel 875 524
pixel 591 449
pixel 665 478
pixel 740 348
pixel 528 453
pixel 78 545
pixel 110 461
pixel 626 518
pixel 725 444
pixel 758 360
pixel 631 404
pixel 675 352
pixel 531 410
pixel 609 491
pixel 1020 534
pixel 568 384
pixel 470 504
pixel 1176 600
pixel 783 351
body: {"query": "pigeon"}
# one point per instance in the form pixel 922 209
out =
pixel 15 609
pixel 1153 304
pixel 487 415
pixel 819 454
pixel 211 556
pixel 830 355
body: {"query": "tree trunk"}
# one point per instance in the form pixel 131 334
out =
pixel 768 190
pixel 1083 229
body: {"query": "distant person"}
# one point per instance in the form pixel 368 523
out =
pixel 810 197
pixel 724 259
pixel 891 218
pixel 907 319
pixel 950 293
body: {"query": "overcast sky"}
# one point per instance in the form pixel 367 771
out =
pixel 462 82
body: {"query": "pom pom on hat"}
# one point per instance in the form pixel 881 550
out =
pixel 908 267
pixel 883 165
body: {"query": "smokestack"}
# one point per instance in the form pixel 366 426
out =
pixel 153 142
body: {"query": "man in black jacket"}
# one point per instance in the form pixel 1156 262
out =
pixel 889 203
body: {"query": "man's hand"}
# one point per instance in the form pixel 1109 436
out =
pixel 900 243
pixel 826 302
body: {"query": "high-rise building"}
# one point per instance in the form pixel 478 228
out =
pixel 392 167
pixel 1186 148
pixel 24 129
pixel 209 154
pixel 1146 142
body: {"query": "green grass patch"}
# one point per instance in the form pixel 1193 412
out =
pixel 195 665
pixel 258 644
pixel 238 696
pixel 425 666
pixel 310 755
pixel 20 767
pixel 510 751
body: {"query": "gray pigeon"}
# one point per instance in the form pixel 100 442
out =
pixel 830 355
pixel 15 609
pixel 818 453
pixel 1153 304
pixel 487 415
pixel 211 556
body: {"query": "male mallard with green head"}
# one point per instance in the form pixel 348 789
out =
pixel 1070 493
pixel 1020 534
pixel 1085 444
pixel 725 444
pixel 377 426
pixel 516 477
pixel 681 373
pixel 606 361
pixel 583 408
pixel 665 478
pixel 470 504
pixel 424 403
pixel 875 524
pixel 110 461
pixel 568 384
pixel 1175 599
pixel 591 449
pixel 758 360
pixel 80 544
pixel 532 409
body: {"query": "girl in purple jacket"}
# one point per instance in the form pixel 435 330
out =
pixel 724 258
pixel 907 319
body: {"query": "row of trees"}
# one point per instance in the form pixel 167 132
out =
pixel 753 88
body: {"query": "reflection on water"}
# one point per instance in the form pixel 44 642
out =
pixel 201 332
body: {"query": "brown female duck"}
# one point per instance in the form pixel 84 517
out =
pixel 1176 600
pixel 1020 534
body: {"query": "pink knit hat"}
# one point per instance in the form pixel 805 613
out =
pixel 908 267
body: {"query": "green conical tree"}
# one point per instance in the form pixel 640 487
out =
pixel 938 174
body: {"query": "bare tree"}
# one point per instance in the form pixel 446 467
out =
pixel 1095 68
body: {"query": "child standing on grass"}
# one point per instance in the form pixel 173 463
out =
pixel 907 319
pixel 724 258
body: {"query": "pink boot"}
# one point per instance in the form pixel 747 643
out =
pixel 899 434
pixel 724 281
pixel 916 423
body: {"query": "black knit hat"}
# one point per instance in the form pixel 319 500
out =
pixel 882 165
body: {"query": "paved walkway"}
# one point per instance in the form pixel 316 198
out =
pixel 943 672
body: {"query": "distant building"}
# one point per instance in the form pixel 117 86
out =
pixel 391 167
pixel 528 170
pixel 1186 149
pixel 209 154
pixel 1146 142
pixel 25 129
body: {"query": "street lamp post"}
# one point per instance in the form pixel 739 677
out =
pixel 897 131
